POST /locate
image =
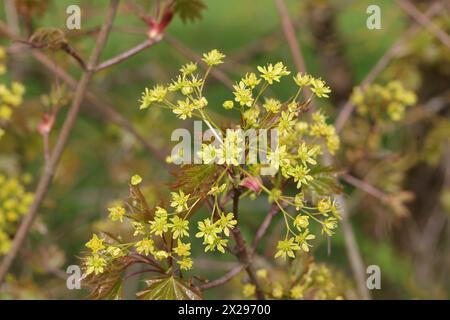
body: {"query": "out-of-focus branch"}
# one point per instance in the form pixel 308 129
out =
pixel 243 254
pixel 224 279
pixel 105 109
pixel 127 54
pixel 382 63
pixel 423 20
pixel 263 228
pixel 294 46
pixel 50 167
pixel 366 187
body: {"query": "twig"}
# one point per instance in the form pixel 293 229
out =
pixel 243 254
pixel 11 15
pixel 422 19
pixel 105 109
pixel 129 53
pixel 224 279
pixel 294 46
pixel 366 187
pixel 263 228
pixel 382 63
pixel 49 170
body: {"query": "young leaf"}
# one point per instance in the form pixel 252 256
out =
pixel 324 182
pixel 189 10
pixel 169 288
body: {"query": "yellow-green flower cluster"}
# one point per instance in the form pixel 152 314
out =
pixel 297 238
pixel 188 84
pixel 211 231
pixel 151 235
pixel 10 97
pixel 302 140
pixel 316 281
pixel 379 101
pixel 14 203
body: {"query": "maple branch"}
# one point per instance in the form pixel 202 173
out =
pixel 50 167
pixel 243 254
pixel 423 20
pixel 127 54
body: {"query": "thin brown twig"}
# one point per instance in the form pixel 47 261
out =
pixel 50 167
pixel 423 20
pixel 243 254
pixel 381 64
pixel 127 54
pixel 105 109
pixel 366 187
pixel 263 228
pixel 224 279
pixel 294 46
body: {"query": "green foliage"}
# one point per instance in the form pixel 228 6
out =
pixel 168 288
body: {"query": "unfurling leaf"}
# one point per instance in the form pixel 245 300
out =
pixel 169 288
pixel 324 182
pixel 49 38
pixel 189 10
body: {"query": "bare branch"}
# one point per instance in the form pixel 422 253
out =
pixel 129 53
pixel 224 279
pixel 423 20
pixel 50 167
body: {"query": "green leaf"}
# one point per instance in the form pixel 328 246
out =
pixel 189 10
pixel 169 288
pixel 324 182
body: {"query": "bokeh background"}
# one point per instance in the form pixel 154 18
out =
pixel 408 240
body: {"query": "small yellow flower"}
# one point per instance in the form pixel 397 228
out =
pixel 135 180
pixel 161 254
pixel 228 104
pixel 179 201
pixel 320 89
pixel 157 94
pixel 145 246
pixel 303 238
pixel 95 264
pixel 251 80
pixel 185 263
pixel 297 292
pixel 286 248
pixel 301 222
pixel 261 273
pixel 249 290
pixel 272 105
pixel 116 213
pixel 226 222
pixel 277 290
pixel 272 73
pixel 95 244
pixel 188 68
pixel 179 227
pixel 214 57
pixel 302 79
pixel 182 249
pixel 243 95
